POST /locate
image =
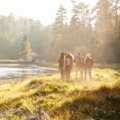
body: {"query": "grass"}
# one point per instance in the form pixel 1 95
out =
pixel 65 99
pixel 15 62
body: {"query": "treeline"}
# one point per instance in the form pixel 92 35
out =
pixel 12 31
pixel 91 30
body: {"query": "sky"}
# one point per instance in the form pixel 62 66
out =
pixel 43 10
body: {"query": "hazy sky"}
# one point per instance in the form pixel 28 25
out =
pixel 44 10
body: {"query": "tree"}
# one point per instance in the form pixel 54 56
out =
pixel 104 26
pixel 74 23
pixel 25 48
pixel 115 9
pixel 25 30
pixel 59 27
pixel 85 26
pixel 79 25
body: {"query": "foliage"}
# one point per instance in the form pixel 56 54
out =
pixel 12 30
pixel 59 28
pixel 94 30
pixel 25 47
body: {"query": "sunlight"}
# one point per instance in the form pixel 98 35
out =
pixel 37 9
pixel 59 59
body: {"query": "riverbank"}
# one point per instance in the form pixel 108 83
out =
pixel 15 62
pixel 48 64
pixel 42 64
pixel 56 65
pixel 48 96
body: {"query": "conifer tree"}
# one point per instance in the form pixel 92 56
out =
pixel 79 24
pixel 59 27
pixel 104 27
pixel 25 49
pixel 74 22
pixel 25 30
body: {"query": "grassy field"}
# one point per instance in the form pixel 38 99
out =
pixel 72 99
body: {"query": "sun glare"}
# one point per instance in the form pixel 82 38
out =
pixel 38 9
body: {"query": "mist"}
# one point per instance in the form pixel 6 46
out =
pixel 101 39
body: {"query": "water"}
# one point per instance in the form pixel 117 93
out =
pixel 22 71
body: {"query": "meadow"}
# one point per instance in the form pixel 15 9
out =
pixel 67 99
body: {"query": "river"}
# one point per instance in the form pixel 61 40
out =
pixel 12 72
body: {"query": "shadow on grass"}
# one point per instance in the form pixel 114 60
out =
pixel 102 103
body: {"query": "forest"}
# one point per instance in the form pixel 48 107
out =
pixel 93 30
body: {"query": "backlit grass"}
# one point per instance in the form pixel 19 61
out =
pixel 66 99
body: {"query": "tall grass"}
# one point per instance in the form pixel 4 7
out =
pixel 65 99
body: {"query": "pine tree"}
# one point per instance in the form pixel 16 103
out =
pixel 74 23
pixel 59 27
pixel 104 27
pixel 78 25
pixel 25 30
pixel 25 48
